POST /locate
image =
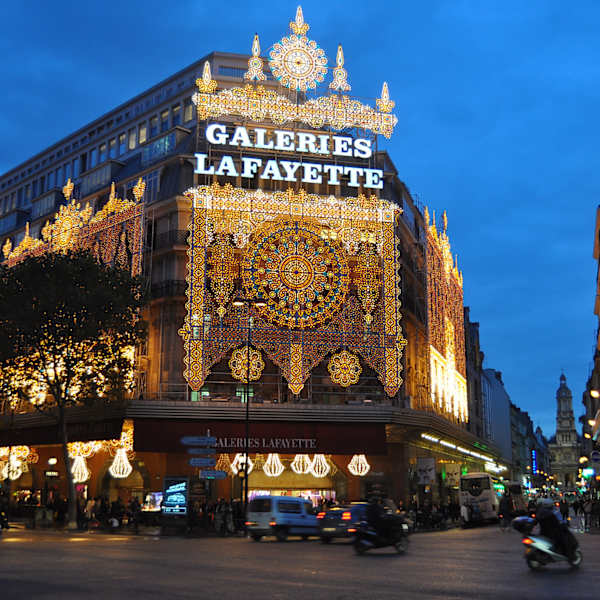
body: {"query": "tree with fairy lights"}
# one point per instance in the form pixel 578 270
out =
pixel 69 327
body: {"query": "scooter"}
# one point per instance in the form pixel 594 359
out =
pixel 540 551
pixel 366 538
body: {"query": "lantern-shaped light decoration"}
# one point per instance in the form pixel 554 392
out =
pixel 301 464
pixel 13 468
pixel 223 463
pixel 273 466
pixel 120 468
pixel 80 470
pixel 239 462
pixel 359 466
pixel 320 467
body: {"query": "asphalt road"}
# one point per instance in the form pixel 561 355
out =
pixel 478 563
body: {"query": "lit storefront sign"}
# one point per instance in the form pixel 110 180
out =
pixel 490 463
pixel 290 170
pixel 534 465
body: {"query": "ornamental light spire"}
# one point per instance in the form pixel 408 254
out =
pixel 340 75
pixel 255 63
pixel 298 26
pixel 384 104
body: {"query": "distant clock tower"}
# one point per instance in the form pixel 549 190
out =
pixel 565 447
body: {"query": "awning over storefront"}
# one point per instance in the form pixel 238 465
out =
pixel 159 435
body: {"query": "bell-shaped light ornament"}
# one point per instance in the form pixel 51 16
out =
pixel 120 468
pixel 80 470
pixel 359 466
pixel 273 466
pixel 301 464
pixel 320 467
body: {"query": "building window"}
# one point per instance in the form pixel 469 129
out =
pixel 142 133
pixel 59 179
pixel 67 171
pixel 188 110
pixel 75 168
pixel 176 115
pixel 19 197
pixel 131 144
pixel 103 154
pixel 164 121
pixel 153 126
pixel 112 148
pixel 93 158
pixel 122 140
pixel 34 188
pixel 28 193
pixel 51 182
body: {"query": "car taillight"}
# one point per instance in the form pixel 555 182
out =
pixel 351 530
pixel 272 523
pixel 346 516
pixel 320 515
pixel 527 541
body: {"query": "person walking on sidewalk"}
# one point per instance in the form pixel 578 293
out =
pixel 587 511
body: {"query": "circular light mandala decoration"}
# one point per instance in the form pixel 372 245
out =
pixel 344 368
pixel 302 278
pixel 238 363
pixel 298 63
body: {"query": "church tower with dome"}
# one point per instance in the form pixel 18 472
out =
pixel 564 446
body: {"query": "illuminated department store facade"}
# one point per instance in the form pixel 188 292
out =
pixel 280 245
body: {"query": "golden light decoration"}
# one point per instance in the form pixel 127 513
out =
pixel 344 368
pixel 80 470
pixel 301 464
pixel 340 75
pixel 138 190
pixel 206 84
pixel 223 463
pixel 358 465
pixel 27 244
pixel 122 450
pixel 297 62
pixel 273 467
pixel 255 63
pixel 245 215
pixel 239 462
pixel 320 467
pixel 258 103
pixel 221 271
pixel 114 205
pixel 83 449
pixel 238 363
pixel 301 277
pixel 7 248
pixel 368 279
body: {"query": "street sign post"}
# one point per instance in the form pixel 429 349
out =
pixel 201 451
pixel 213 474
pixel 202 462
pixel 197 440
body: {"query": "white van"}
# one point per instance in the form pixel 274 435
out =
pixel 281 516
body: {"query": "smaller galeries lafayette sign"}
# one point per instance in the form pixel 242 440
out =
pixel 280 444
pixel 283 437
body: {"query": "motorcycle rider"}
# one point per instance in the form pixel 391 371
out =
pixel 375 514
pixel 555 529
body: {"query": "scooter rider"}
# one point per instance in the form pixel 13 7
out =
pixel 375 514
pixel 552 528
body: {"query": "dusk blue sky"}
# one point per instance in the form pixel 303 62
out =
pixel 497 105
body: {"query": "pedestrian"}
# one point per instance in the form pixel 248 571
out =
pixel 564 509
pixel 587 512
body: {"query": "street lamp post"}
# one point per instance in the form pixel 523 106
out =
pixel 247 302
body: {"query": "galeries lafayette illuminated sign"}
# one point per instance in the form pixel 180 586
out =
pixel 299 142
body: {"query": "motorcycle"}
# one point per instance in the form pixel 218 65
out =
pixel 367 538
pixel 539 550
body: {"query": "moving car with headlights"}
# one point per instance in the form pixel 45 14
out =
pixel 281 516
pixel 340 521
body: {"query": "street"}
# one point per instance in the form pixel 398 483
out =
pixel 476 563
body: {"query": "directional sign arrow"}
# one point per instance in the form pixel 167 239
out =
pixel 201 450
pixel 202 462
pixel 193 440
pixel 213 474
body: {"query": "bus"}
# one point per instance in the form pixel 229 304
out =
pixel 478 499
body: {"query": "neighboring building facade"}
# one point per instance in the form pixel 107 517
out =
pixel 531 458
pixel 479 416
pixel 564 447
pixel 345 298
pixel 497 399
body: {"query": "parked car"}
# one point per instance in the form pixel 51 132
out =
pixel 281 516
pixel 340 521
